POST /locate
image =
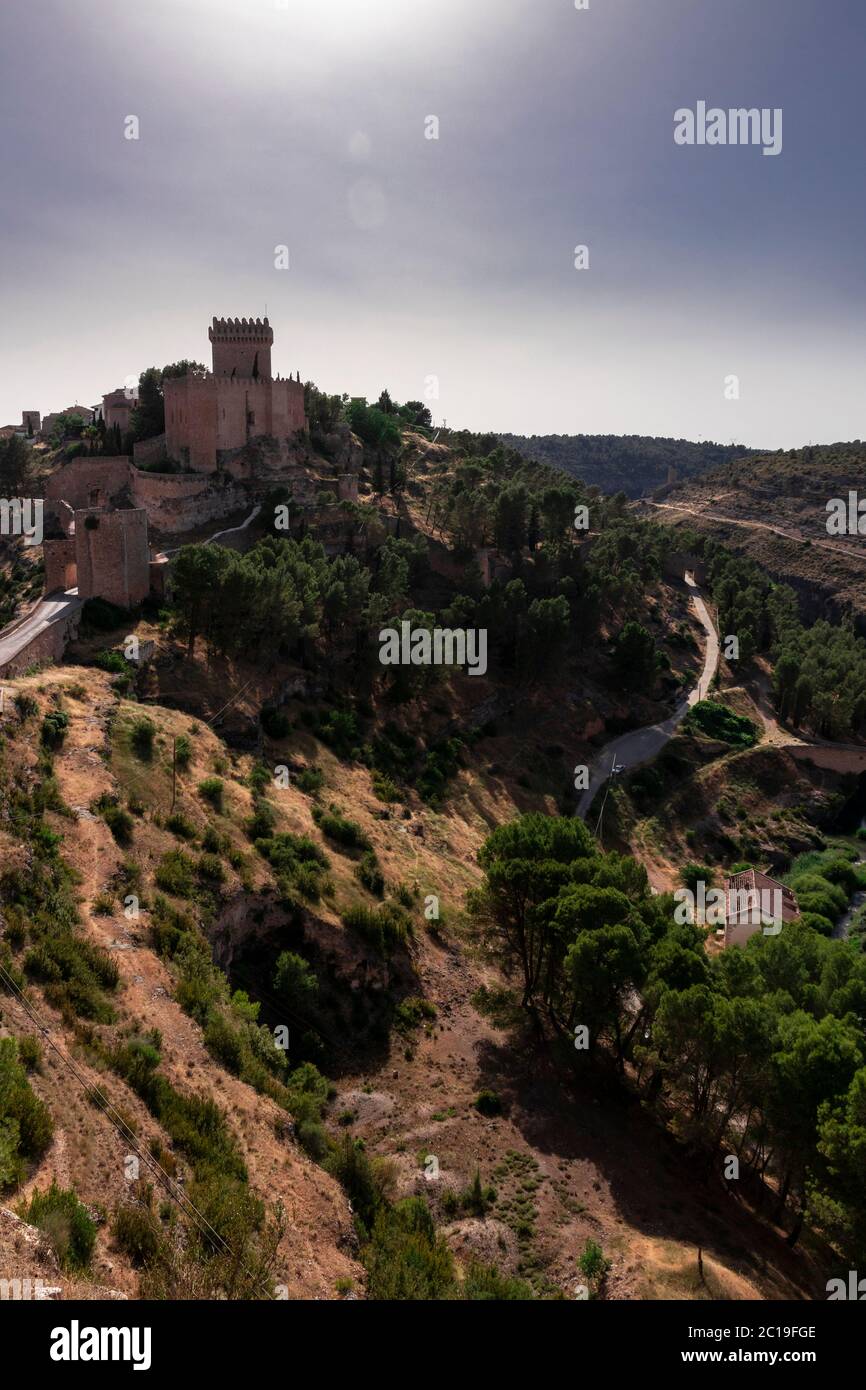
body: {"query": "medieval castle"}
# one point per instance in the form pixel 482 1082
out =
pixel 225 429
pixel 231 434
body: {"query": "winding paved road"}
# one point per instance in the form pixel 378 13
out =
pixel 642 745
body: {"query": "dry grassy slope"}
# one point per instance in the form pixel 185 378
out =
pixel 87 1152
pixel 587 1167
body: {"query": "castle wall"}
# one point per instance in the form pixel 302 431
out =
pixel 191 421
pixel 147 451
pixel 47 646
pixel 60 568
pixel 207 416
pixel 90 482
pixel 180 501
pixel 112 557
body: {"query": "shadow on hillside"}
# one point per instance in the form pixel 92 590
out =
pixel 656 1187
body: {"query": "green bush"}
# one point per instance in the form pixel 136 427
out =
pixel 488 1103
pixel 181 825
pixel 310 780
pixel 211 868
pixel 66 1223
pixel 385 929
pixel 120 823
pixel 26 1129
pixel 54 727
pixel 30 1053
pixel 112 661
pixel 340 829
pixel 183 752
pixel 211 790
pixel 176 874
pixel 142 735
pixel 138 1234
pixel 718 722
pixel 370 874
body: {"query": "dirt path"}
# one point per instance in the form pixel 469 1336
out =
pixel 704 512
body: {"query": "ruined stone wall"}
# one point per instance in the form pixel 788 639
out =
pixel 112 556
pixel 90 482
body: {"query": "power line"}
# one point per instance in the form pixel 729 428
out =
pixel 174 1190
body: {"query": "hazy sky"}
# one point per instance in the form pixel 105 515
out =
pixel 302 123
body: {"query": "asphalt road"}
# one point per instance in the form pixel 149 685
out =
pixel 16 636
pixel 642 745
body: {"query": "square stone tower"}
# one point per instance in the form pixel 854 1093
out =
pixel 242 348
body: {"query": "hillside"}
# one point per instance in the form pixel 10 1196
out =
pixel 631 463
pixel 294 941
pixel 774 510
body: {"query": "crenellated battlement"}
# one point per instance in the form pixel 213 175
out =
pixel 233 329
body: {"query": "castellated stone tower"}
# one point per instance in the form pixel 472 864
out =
pixel 242 348
pixel 210 419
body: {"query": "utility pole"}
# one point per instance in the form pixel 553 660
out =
pixel 615 769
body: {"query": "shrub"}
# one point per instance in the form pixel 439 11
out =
pixel 385 928
pixel 384 788
pixel 718 722
pixel 181 825
pixel 183 752
pixel 211 790
pixel 310 780
pixel 67 1224
pixel 54 727
pixel 340 829
pixel 488 1103
pixel 210 867
pixel 141 736
pixel 112 661
pixel 370 874
pixel 120 823
pixel 26 705
pixel 30 1053
pixel 138 1234
pixel 412 1012
pixel 214 842
pixel 26 1129
pixel 260 824
pixel 176 874
pixel 259 779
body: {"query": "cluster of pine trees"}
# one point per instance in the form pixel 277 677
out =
pixel 759 1052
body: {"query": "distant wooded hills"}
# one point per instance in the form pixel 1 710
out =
pixel 635 464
